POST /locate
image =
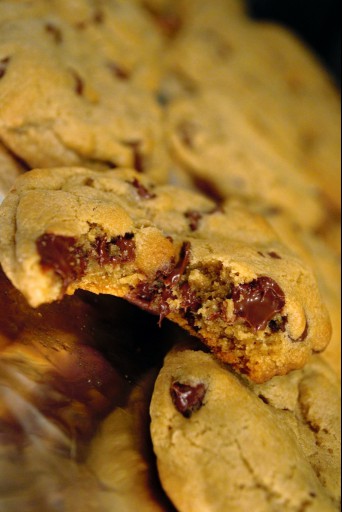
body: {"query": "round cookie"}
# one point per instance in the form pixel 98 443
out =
pixel 225 444
pixel 222 274
pixel 90 99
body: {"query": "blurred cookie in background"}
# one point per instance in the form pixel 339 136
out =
pixel 10 169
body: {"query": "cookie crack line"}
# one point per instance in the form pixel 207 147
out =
pixel 124 235
pixel 271 495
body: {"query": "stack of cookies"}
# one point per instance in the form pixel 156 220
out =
pixel 170 261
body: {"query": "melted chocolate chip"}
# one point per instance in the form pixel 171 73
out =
pixel 143 192
pixel 190 301
pixel 187 398
pixel 61 254
pixel 54 31
pixel 118 250
pixel 304 334
pixel 79 84
pixel 153 297
pixel 208 189
pixel 193 217
pixel 138 157
pixel 118 71
pixel 184 257
pixel 274 255
pixel 3 66
pixel 258 301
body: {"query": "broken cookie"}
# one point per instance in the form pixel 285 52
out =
pixel 221 274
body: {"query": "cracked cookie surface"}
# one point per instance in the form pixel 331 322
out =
pixel 223 443
pixel 222 274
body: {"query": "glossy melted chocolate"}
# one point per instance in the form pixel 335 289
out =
pixel 258 302
pixel 61 254
pixel 187 398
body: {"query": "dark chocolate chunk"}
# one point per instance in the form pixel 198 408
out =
pixel 274 255
pixel 184 257
pixel 304 334
pixel 187 398
pixel 79 84
pixel 143 192
pixel 154 296
pixel 258 302
pixel 190 301
pixel 138 157
pixel 3 66
pixel 63 256
pixel 278 325
pixel 118 250
pixel 209 189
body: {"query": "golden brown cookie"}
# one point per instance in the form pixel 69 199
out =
pixel 76 85
pixel 223 274
pixel 210 139
pixel 223 443
pixel 276 84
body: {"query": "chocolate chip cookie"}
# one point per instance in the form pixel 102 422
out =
pixel 77 85
pixel 223 443
pixel 211 141
pixel 222 274
pixel 276 84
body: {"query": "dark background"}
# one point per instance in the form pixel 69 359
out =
pixel 317 22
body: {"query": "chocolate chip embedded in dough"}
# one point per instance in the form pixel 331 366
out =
pixel 63 256
pixel 143 192
pixel 187 398
pixel 118 250
pixel 258 302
